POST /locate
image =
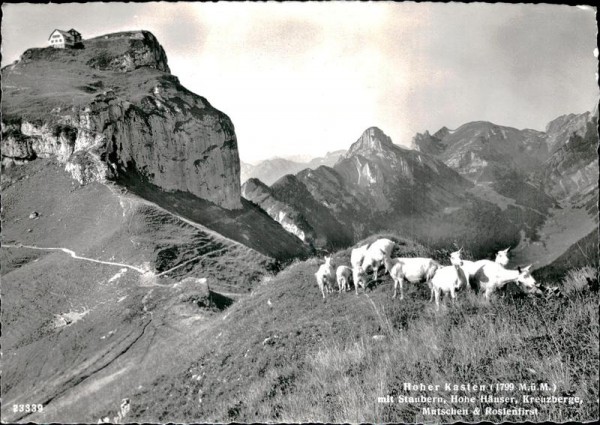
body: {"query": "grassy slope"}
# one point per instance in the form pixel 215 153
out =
pixel 282 354
pixel 64 80
pixel 126 319
pixel 249 225
pixel 106 223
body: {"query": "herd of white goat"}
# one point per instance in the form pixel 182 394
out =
pixel 486 275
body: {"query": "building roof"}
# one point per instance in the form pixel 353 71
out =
pixel 66 34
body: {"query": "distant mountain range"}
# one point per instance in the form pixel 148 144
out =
pixel 125 238
pixel 270 170
pixel 377 185
pixel 482 185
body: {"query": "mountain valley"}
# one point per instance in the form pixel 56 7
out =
pixel 148 275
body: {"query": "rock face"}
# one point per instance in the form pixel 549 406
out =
pixel 290 203
pixel 291 220
pixel 559 130
pixel 571 173
pixel 384 176
pixel 429 144
pixel 561 162
pixel 143 50
pixel 117 112
pixel 481 150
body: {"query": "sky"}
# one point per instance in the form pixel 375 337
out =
pixel 303 79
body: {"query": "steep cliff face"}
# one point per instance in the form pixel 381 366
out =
pixel 571 173
pixel 481 150
pixel 112 110
pixel 429 144
pixel 290 219
pixel 384 175
pixel 290 203
pixel 560 129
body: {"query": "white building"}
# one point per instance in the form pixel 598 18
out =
pixel 61 39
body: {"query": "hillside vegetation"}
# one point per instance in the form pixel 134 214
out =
pixel 98 284
pixel 283 354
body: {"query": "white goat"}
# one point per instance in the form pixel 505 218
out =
pixel 470 268
pixel 502 257
pixel 356 259
pixel 449 279
pixel 412 270
pixel 378 253
pixel 492 276
pixel 325 276
pixel 343 276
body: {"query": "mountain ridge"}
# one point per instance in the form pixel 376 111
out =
pixel 366 190
pixel 270 170
pixel 119 110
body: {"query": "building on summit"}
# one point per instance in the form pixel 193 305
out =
pixel 65 39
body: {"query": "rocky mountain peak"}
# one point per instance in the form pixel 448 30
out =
pixel 427 143
pixel 562 128
pixel 114 111
pixel 121 52
pixel 136 49
pixel 442 132
pixel 373 140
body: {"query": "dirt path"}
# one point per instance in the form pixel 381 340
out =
pixel 77 257
pixel 110 263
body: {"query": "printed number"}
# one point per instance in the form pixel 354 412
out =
pixel 505 386
pixel 28 408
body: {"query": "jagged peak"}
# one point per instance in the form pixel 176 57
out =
pixel 376 133
pixel 372 140
pixel 442 132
